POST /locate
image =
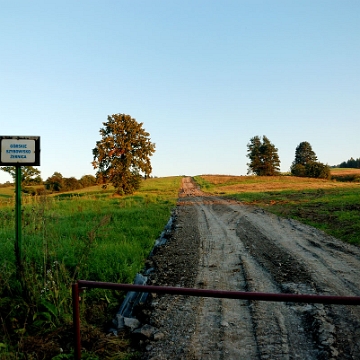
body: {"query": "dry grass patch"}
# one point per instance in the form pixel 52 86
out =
pixel 344 171
pixel 224 184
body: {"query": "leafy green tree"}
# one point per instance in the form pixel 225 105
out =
pixel 317 169
pixel 264 158
pixel 70 184
pixel 306 164
pixel 87 180
pixel 298 170
pixel 254 154
pixel 55 182
pixel 304 154
pixel 29 174
pixel 122 155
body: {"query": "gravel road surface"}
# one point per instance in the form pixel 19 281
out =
pixel 221 244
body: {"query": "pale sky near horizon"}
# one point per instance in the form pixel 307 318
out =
pixel 203 77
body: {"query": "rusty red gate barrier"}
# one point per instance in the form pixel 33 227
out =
pixel 240 295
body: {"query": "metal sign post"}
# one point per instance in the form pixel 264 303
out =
pixel 18 247
pixel 19 151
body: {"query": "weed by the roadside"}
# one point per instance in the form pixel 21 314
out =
pixel 95 237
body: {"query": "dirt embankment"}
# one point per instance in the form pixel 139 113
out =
pixel 218 244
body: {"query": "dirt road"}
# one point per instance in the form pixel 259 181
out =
pixel 219 244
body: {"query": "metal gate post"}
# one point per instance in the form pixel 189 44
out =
pixel 76 321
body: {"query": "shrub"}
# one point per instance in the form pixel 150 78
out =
pixel 313 169
pixel 317 169
pixel 298 170
pixel 29 190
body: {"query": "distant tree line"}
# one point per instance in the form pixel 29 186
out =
pixel 122 158
pixel 351 163
pixel 264 160
pixel 30 177
pixel 58 183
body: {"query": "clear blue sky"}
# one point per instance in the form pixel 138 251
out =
pixel 203 76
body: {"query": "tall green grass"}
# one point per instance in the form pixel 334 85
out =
pixel 93 236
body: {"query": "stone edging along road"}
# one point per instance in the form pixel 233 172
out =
pixel 219 244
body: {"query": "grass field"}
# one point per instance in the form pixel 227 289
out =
pixel 343 174
pixel 92 234
pixel 88 234
pixel 329 205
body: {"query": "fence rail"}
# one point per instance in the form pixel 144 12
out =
pixel 82 284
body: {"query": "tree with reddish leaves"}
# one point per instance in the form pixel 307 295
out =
pixel 122 156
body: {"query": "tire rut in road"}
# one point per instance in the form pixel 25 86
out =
pixel 226 321
pixel 272 324
pixel 332 336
